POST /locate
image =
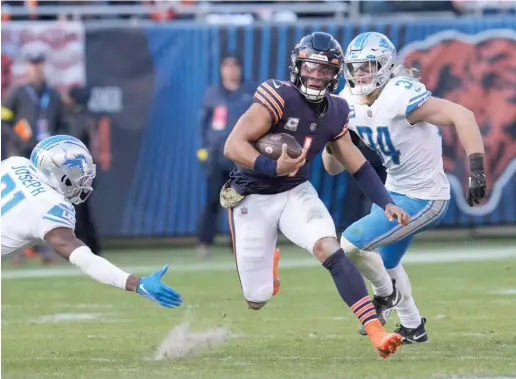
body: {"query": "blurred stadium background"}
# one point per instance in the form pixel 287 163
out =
pixel 148 74
pixel 148 65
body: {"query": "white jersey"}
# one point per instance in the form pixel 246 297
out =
pixel 412 154
pixel 30 208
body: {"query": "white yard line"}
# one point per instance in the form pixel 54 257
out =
pixel 456 255
pixel 64 317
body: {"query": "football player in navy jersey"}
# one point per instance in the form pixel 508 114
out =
pixel 264 195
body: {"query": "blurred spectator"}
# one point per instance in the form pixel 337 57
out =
pixel 31 6
pixel 166 11
pixel 266 10
pixel 6 73
pixel 222 106
pixel 32 112
pixel 355 203
pixel 84 126
pixel 6 83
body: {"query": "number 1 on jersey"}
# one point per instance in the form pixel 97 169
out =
pixel 8 186
pixel 306 146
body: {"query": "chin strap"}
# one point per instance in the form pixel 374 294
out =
pixel 304 92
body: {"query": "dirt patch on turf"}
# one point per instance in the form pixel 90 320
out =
pixel 182 342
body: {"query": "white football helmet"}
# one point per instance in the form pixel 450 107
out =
pixel 369 62
pixel 65 163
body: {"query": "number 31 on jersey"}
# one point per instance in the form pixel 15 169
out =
pixel 383 142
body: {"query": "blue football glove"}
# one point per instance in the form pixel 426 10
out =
pixel 153 288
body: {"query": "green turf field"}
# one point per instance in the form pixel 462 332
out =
pixel 59 324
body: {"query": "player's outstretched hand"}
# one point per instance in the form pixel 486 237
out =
pixel 393 212
pixel 287 165
pixel 153 288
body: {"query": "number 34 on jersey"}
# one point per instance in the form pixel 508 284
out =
pixel 379 139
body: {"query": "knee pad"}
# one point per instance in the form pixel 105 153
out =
pixel 324 247
pixel 351 250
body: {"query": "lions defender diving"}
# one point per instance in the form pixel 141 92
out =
pixel 37 198
pixel 395 115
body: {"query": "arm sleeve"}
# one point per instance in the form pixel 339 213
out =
pixel 98 268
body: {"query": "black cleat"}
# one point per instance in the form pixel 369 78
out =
pixel 384 306
pixel 415 335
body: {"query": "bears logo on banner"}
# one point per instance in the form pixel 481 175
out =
pixel 479 72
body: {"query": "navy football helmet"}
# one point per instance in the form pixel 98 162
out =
pixel 317 63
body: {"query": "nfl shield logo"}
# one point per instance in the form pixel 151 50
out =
pixel 243 210
pixel 313 125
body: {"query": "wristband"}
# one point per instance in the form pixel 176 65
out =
pixel 265 165
pixel 476 162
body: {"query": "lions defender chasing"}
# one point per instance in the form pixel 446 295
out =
pixel 265 194
pixel 37 198
pixel 394 114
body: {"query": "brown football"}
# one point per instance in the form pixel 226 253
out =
pixel 270 145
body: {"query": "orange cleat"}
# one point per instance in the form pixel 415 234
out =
pixel 275 273
pixel 386 343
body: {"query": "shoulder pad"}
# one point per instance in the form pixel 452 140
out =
pixel 405 95
pixel 62 213
pixel 343 114
pixel 346 94
pixel 272 94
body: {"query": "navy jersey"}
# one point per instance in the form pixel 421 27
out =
pixel 311 124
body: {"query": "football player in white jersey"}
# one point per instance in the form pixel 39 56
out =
pixel 37 198
pixel 394 114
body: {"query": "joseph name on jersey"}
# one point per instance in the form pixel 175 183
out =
pixel 412 154
pixel 30 207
